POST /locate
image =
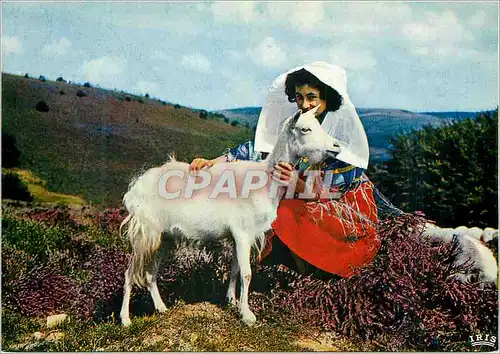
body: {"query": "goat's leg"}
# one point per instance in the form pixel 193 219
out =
pixel 233 278
pixel 243 248
pixel 151 276
pixel 127 290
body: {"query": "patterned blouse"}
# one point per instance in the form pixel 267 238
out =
pixel 345 176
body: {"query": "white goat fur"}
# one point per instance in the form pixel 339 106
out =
pixel 472 248
pixel 198 218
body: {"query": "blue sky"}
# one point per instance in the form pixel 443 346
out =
pixel 214 55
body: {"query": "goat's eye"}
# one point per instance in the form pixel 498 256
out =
pixel 305 130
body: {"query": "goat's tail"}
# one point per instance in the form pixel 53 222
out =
pixel 145 241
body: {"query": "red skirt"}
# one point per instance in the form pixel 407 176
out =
pixel 336 236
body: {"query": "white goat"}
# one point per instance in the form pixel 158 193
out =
pixel 199 217
pixel 472 247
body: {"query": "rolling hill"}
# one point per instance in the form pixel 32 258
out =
pixel 380 124
pixel 93 144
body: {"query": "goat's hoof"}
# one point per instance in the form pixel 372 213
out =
pixel 231 301
pixel 126 322
pixel 162 309
pixel 249 319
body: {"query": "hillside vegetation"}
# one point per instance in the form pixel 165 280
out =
pixel 449 172
pixel 380 124
pixel 68 151
pixel 93 145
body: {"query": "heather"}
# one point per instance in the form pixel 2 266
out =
pixel 71 260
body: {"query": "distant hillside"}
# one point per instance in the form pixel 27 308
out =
pixel 93 143
pixel 380 124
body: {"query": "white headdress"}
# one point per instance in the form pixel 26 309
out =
pixel 343 124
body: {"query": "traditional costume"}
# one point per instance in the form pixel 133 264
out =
pixel 335 235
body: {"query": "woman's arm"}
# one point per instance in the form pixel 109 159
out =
pixel 241 152
pixel 285 172
pixel 199 163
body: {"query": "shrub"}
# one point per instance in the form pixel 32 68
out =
pixel 146 95
pixel 37 240
pixel 42 78
pixel 448 172
pixel 26 76
pixel 14 188
pixel 81 93
pixel 62 92
pixel 235 123
pixel 87 84
pixel 10 152
pixel 226 120
pixel 177 106
pixel 405 299
pixel 43 292
pixel 140 100
pixel 60 79
pixel 203 114
pixel 42 106
pixel 128 99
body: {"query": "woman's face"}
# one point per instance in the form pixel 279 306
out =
pixel 307 97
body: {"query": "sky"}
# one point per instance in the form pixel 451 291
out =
pixel 418 56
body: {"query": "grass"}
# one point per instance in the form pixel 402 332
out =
pixel 92 146
pixel 38 189
pixel 184 327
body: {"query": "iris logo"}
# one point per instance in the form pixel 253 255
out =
pixel 482 339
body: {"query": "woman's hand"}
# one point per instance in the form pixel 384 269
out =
pixel 317 185
pixel 283 172
pixel 199 163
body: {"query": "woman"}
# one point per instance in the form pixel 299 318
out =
pixel 336 235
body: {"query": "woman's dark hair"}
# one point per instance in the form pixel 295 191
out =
pixel 303 77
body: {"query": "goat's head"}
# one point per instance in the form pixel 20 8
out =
pixel 308 138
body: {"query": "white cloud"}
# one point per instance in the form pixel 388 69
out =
pixel 361 84
pixel 478 19
pixel 352 58
pixel 307 15
pixel 146 87
pixel 107 70
pixel 197 62
pixel 234 12
pixel 57 48
pixel 437 27
pixel 420 50
pixel 233 54
pixel 268 53
pixel 240 89
pixel 160 55
pixel 10 45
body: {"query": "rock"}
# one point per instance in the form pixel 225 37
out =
pixel 38 335
pixel 55 320
pixel 193 338
pixel 55 336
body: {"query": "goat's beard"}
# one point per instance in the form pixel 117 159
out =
pixel 314 156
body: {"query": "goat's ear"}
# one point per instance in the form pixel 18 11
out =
pixel 313 111
pixel 296 115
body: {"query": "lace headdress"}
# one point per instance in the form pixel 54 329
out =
pixel 343 124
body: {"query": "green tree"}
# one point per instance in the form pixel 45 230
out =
pixel 448 172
